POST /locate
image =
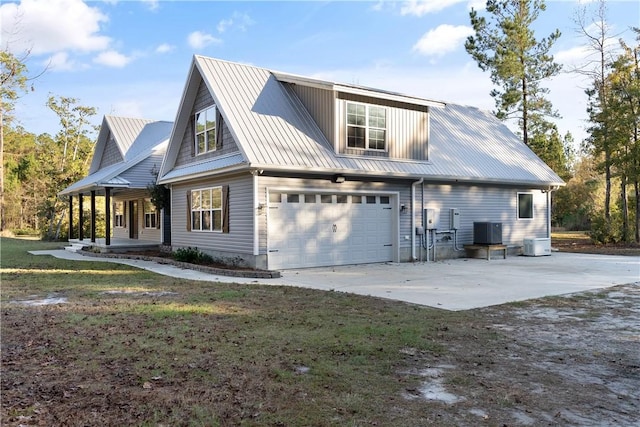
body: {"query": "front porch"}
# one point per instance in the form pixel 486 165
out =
pixel 116 245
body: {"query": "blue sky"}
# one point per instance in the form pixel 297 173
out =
pixel 131 58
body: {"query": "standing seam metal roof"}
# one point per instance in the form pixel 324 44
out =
pixel 274 130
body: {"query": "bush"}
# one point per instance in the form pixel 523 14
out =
pixel 191 255
pixel 603 231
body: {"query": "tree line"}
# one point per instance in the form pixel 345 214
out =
pixel 602 194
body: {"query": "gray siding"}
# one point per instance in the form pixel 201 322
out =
pixel 185 154
pixel 407 131
pixel 320 104
pixel 482 204
pixel 239 240
pixel 142 172
pixel 111 154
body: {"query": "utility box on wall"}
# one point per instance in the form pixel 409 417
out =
pixel 454 220
pixel 431 219
pixel 487 233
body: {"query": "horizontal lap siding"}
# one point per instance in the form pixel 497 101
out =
pixel 240 237
pixel 325 185
pixel 486 204
pixel 320 104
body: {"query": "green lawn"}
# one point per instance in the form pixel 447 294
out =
pixel 131 347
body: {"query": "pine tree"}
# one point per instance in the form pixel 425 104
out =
pixel 505 45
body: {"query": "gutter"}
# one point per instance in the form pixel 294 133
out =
pixel 413 218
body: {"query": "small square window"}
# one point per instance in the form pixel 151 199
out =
pixel 326 198
pixel 356 199
pixel 371 200
pixel 384 200
pixel 293 198
pixel 275 197
pixel 341 198
pixel 309 198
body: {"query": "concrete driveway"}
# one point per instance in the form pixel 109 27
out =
pixel 459 284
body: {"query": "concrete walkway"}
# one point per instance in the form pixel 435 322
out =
pixel 459 284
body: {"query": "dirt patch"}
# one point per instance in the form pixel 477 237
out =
pixel 581 243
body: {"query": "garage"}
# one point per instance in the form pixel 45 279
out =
pixel 321 229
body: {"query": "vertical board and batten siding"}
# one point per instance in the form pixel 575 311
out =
pixel 320 104
pixel 407 129
pixel 185 154
pixel 325 186
pixel 239 240
pixel 485 204
pixel 111 154
pixel 150 234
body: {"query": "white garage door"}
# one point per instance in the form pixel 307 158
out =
pixel 312 230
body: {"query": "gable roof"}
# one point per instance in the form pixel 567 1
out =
pixel 147 147
pixel 274 131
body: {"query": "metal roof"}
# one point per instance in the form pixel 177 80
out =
pixel 150 143
pixel 195 170
pixel 274 131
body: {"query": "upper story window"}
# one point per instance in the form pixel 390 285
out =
pixel 205 130
pixel 366 126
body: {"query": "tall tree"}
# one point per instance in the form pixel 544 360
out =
pixel 600 41
pixel 505 45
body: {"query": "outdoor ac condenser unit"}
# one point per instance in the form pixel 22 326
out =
pixel 537 247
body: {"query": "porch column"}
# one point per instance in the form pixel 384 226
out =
pixel 70 217
pixel 107 214
pixel 80 218
pixel 93 216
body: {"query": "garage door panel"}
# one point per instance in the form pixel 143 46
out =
pixel 309 230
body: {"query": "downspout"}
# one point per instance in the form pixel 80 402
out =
pixel 551 189
pixel 256 212
pixel 413 218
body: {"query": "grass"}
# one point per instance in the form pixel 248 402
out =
pixel 204 353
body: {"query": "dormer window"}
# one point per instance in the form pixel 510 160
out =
pixel 366 126
pixel 205 130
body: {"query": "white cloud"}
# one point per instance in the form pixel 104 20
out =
pixel 423 7
pixel 199 40
pixel 443 39
pixel 60 62
pixel 238 20
pixel 165 48
pixel 111 58
pixel 153 5
pixel 50 26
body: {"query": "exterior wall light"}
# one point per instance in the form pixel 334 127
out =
pixel 338 179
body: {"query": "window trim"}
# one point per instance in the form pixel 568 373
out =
pixel 208 146
pixel 366 127
pixel 151 216
pixel 518 215
pixel 211 210
pixel 119 215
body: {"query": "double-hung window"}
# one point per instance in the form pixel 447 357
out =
pixel 206 209
pixel 118 214
pixel 366 126
pixel 150 215
pixel 525 205
pixel 205 131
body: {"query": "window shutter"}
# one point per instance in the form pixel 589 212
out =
pixel 225 208
pixel 158 219
pixel 192 132
pixel 218 130
pixel 124 213
pixel 188 210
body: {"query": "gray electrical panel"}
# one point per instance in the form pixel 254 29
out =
pixel 454 221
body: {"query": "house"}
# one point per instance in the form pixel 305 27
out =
pixel 126 160
pixel 274 170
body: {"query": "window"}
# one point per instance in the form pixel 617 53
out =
pixel 118 214
pixel 525 205
pixel 205 130
pixel 366 126
pixel 150 215
pixel 206 209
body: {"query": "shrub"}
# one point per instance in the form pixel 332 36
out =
pixel 191 255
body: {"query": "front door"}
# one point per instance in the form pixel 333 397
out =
pixel 133 219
